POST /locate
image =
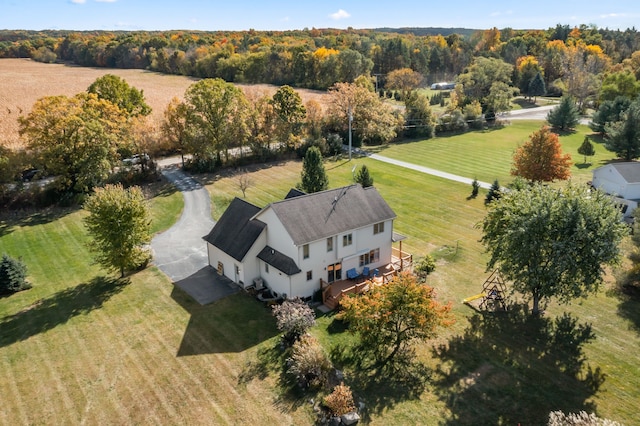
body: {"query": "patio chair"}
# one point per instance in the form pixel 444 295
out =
pixel 365 272
pixel 352 274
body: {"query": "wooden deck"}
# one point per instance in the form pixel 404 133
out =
pixel 332 293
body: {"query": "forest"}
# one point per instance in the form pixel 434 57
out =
pixel 318 58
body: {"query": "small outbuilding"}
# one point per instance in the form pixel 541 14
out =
pixel 621 180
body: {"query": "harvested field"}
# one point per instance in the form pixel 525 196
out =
pixel 23 82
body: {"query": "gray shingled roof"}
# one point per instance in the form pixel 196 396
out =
pixel 278 260
pixel 630 171
pixel 236 232
pixel 312 217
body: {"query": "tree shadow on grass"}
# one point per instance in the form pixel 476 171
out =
pixel 627 292
pixel 51 312
pixel 512 367
pixel 380 388
pixel 10 220
pixel 232 324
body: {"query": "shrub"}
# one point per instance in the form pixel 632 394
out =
pixel 13 275
pixel 494 193
pixel 424 267
pixel 309 363
pixel 294 318
pixel 340 401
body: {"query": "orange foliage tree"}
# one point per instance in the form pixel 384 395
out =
pixel 390 318
pixel 540 159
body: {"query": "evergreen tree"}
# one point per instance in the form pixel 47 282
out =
pixel 565 116
pixel 13 275
pixel 314 177
pixel 609 112
pixel 537 86
pixel 623 137
pixel 363 177
pixel 586 149
pixel 475 187
pixel 494 192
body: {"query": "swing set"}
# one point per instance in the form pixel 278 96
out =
pixel 493 293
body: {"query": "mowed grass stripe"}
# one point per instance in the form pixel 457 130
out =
pixel 14 406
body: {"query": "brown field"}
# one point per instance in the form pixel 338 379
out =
pixel 23 82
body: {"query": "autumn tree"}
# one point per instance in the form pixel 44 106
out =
pixel 75 138
pixel 174 126
pixel 540 159
pixel 119 226
pixel 482 75
pixel 216 120
pixel 553 243
pixel 117 91
pixel 290 115
pixel 565 115
pixel 623 137
pixel 373 120
pixel 586 149
pixel 404 80
pixel 363 177
pixel 391 318
pixel 527 67
pixel 261 123
pixel 314 177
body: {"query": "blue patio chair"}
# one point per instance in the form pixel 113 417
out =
pixel 365 271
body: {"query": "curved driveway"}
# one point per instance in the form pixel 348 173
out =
pixel 180 251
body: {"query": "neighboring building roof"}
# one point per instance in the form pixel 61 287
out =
pixel 278 260
pixel 236 231
pixel 323 214
pixel 630 171
pixel 294 193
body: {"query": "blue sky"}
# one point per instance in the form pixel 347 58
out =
pixel 291 14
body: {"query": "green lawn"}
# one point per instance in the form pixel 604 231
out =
pixel 487 155
pixel 82 348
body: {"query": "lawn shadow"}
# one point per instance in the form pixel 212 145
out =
pixel 232 324
pixel 512 367
pixel 46 314
pixel 31 217
pixel 583 165
pixel 380 389
pixel 628 293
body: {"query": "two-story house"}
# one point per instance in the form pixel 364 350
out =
pixel 294 243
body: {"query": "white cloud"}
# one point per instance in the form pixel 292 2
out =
pixel 106 1
pixel 508 12
pixel 285 19
pixel 614 15
pixel 78 1
pixel 340 14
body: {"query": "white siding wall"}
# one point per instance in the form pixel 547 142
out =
pixel 607 179
pixel 216 255
pixel 250 268
pixel 632 191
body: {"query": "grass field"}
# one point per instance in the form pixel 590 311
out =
pixel 487 155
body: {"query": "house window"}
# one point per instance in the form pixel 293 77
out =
pixel 305 251
pixel 347 240
pixel 329 244
pixel 309 275
pixel 334 272
pixel 378 228
pixel 266 268
pixel 372 257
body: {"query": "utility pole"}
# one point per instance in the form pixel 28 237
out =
pixel 350 120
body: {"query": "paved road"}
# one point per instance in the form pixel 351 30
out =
pixel 180 252
pixel 428 170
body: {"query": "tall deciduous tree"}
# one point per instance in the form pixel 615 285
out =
pixel 75 138
pixel 174 126
pixel 419 118
pixel 540 159
pixel 216 119
pixel 404 80
pixel 553 243
pixel 564 116
pixel 314 177
pixel 117 91
pixel 623 137
pixel 586 149
pixel 373 121
pixel 390 318
pixel 290 115
pixel 119 226
pixel 482 74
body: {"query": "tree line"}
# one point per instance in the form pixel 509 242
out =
pixel 318 58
